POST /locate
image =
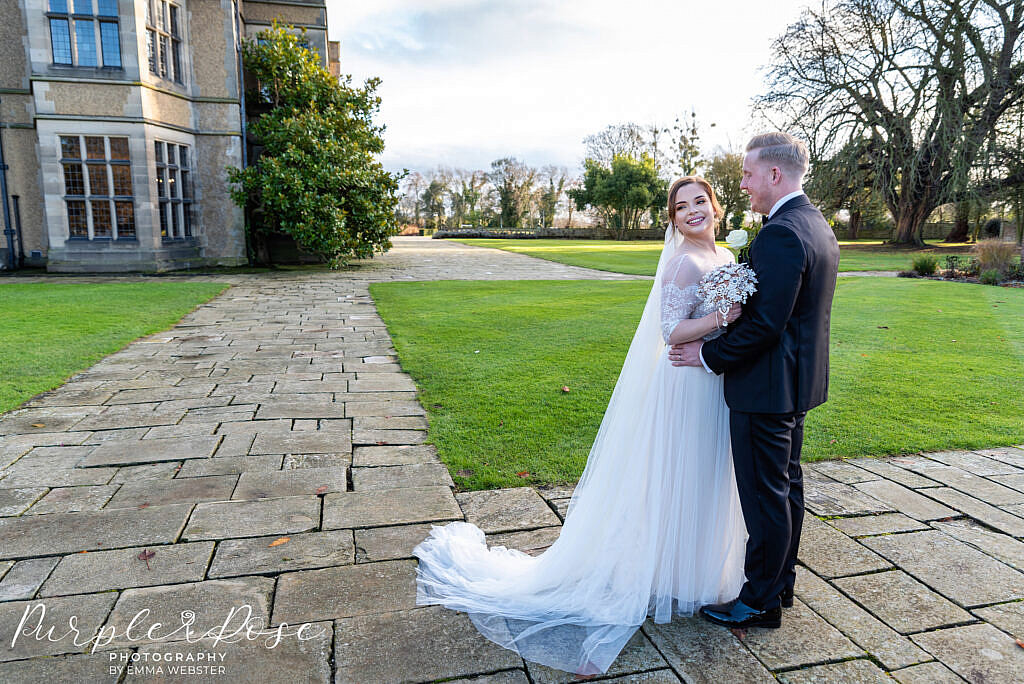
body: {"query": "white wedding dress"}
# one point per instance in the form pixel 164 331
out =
pixel 654 526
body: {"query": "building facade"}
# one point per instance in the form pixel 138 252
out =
pixel 118 119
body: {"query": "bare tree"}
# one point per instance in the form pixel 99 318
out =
pixel 725 172
pixel 622 139
pixel 924 83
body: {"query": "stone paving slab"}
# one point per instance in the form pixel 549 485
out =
pixel 389 543
pixel 979 510
pixel 703 653
pixel 377 508
pixel 831 553
pixel 532 542
pixel 1009 455
pixel 189 490
pixel 902 602
pixel 16 501
pixel 968 483
pixel 406 454
pixel 131 452
pixel 165 470
pixel 59 533
pixel 1008 617
pixel 304 481
pixel 804 639
pixel 841 499
pixel 210 604
pixel 974 463
pixel 86 667
pixel 905 500
pixel 978 653
pixel 98 571
pixel 302 442
pixel 870 525
pixel 230 465
pixel 506 510
pixel 421 645
pixel 890 648
pixel 849 672
pixel 1013 481
pixel 345 591
pixel 927 673
pixel 283 553
pixel 25 577
pixel 1000 546
pixel 398 477
pixel 225 520
pixel 887 469
pixel 638 655
pixel 292 659
pixel 962 574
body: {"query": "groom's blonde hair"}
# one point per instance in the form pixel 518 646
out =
pixel 782 150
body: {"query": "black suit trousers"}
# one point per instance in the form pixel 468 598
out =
pixel 766 453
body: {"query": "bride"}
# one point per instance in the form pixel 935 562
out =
pixel 654 527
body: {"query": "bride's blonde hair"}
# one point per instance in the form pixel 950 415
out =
pixel 688 180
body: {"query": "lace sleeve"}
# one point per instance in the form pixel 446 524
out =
pixel 679 297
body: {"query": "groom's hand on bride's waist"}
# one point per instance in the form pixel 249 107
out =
pixel 686 354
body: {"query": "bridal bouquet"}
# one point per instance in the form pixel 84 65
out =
pixel 727 285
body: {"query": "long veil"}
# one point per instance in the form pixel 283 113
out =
pixel 576 605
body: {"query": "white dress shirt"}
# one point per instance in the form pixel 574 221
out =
pixel 778 205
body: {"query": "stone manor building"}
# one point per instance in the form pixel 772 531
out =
pixel 117 120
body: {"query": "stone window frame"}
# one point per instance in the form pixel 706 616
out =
pixel 95 210
pixel 70 22
pixel 175 203
pixel 165 40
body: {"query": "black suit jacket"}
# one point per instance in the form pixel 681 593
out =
pixel 775 357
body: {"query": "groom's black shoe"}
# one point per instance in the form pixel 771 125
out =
pixel 739 615
pixel 787 597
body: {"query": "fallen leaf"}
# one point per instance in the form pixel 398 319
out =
pixel 1020 642
pixel 740 634
pixel 883 327
pixel 322 489
pixel 38 425
pixel 565 388
pixel 146 555
pixel 525 473
pixel 278 542
pixel 144 505
pixel 500 423
pixel 381 443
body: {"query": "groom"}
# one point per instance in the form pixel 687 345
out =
pixel 775 360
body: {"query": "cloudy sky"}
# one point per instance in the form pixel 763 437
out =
pixel 469 81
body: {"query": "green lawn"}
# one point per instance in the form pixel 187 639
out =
pixel 50 331
pixel 640 257
pixel 917 365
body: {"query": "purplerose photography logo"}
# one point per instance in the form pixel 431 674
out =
pixel 239 624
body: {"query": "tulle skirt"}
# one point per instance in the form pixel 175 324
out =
pixel 654 529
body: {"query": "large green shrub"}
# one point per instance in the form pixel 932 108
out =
pixel 317 178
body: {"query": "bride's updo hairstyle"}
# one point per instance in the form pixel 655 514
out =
pixel 687 180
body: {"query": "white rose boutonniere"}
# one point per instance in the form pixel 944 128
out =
pixel 736 239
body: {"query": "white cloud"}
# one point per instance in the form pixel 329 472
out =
pixel 468 81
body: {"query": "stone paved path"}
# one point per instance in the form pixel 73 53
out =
pixel 268 452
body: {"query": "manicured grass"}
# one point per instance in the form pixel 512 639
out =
pixel 640 257
pixel 490 359
pixel 50 331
